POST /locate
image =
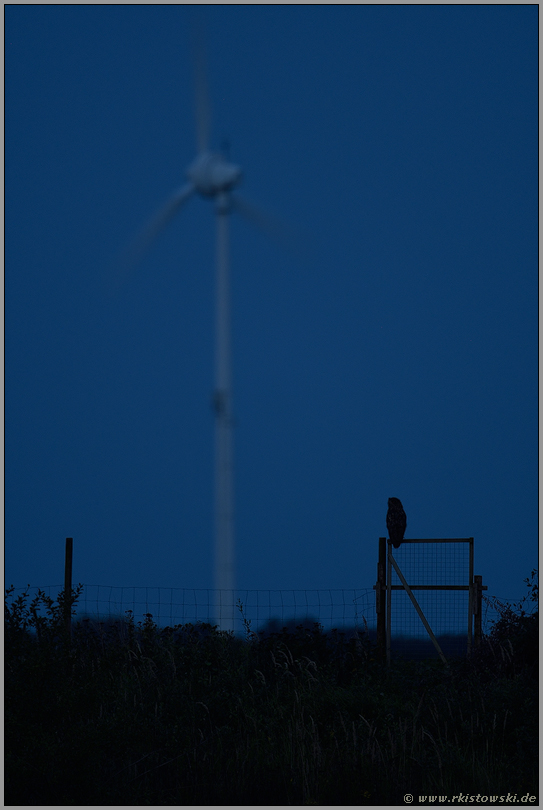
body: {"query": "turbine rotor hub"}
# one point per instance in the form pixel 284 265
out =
pixel 212 175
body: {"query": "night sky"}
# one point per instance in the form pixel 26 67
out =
pixel 396 356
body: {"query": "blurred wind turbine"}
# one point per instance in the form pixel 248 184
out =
pixel 214 177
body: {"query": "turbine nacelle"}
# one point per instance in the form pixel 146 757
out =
pixel 212 175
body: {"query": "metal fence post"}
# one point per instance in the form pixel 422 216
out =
pixel 471 597
pixel 389 600
pixel 478 609
pixel 380 601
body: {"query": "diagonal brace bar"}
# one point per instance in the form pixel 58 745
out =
pixel 417 607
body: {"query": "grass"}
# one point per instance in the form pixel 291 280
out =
pixel 128 713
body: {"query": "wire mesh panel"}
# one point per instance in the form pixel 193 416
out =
pixel 263 610
pixel 343 609
pixel 439 574
pixel 330 608
pixel 433 562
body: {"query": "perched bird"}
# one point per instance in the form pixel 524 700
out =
pixel 396 521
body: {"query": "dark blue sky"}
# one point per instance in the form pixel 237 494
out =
pixel 398 359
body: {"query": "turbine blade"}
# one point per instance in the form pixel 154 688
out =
pixel 273 227
pixel 160 220
pixel 201 92
pixel 135 251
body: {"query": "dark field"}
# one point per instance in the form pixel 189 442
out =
pixel 131 714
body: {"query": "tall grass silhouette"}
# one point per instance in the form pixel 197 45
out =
pixel 129 713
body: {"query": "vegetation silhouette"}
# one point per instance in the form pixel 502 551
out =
pixel 125 712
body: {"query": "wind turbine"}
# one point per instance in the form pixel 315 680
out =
pixel 214 177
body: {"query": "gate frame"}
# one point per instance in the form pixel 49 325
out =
pixel 385 563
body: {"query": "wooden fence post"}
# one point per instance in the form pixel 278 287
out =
pixel 380 598
pixel 68 585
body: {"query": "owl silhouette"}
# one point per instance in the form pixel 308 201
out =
pixel 396 521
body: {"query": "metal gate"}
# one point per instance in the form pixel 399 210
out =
pixel 439 565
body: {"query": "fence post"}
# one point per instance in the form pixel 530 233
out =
pixel 380 601
pixel 478 609
pixel 68 585
pixel 471 597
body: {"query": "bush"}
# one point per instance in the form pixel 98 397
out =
pixel 512 646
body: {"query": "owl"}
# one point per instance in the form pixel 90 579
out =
pixel 396 521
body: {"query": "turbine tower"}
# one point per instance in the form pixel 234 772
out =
pixel 214 177
pixel 222 401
